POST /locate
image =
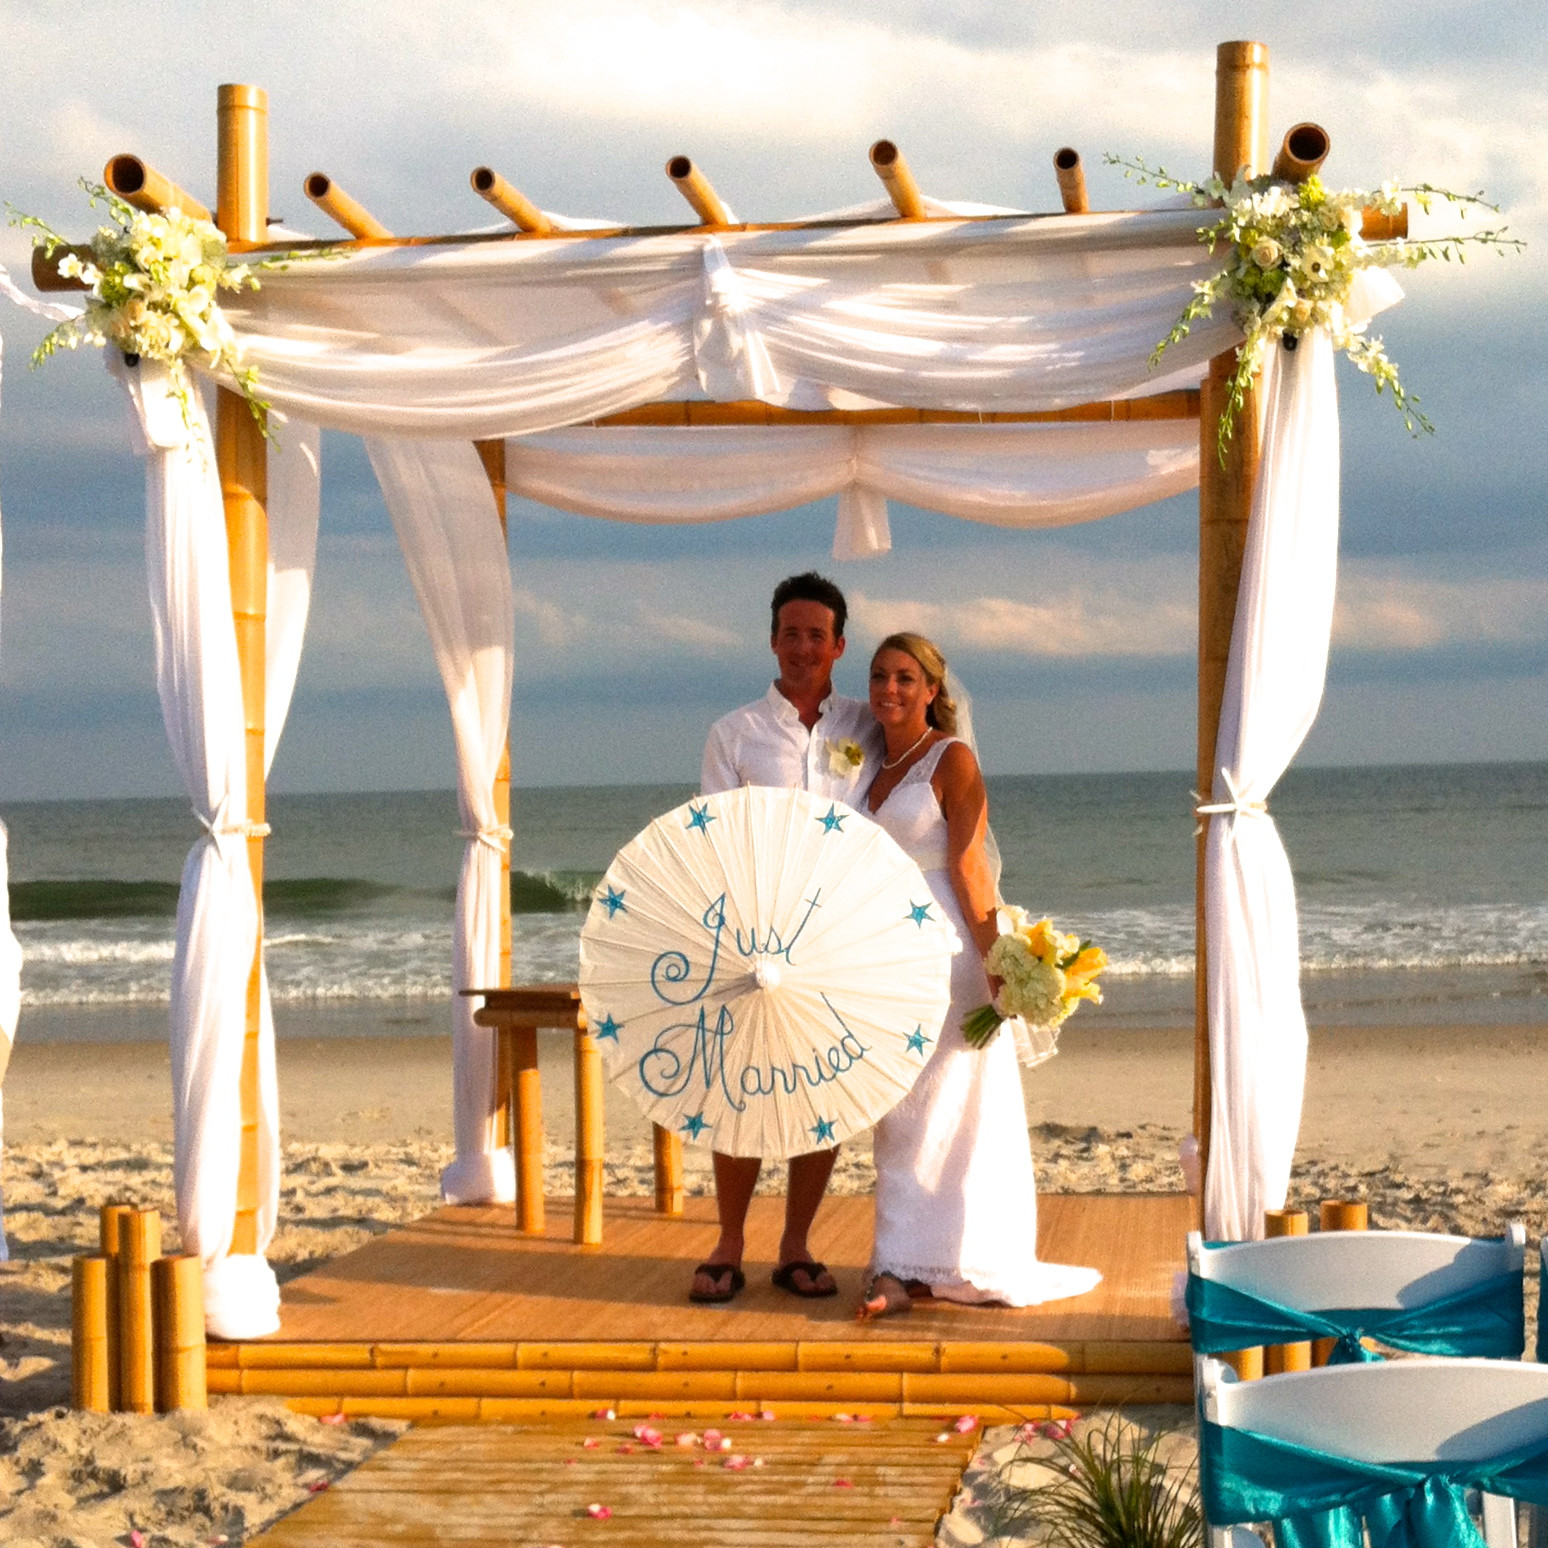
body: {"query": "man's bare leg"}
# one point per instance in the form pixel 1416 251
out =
pixel 809 1176
pixel 735 1179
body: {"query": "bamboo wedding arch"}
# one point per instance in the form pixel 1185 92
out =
pixel 1241 140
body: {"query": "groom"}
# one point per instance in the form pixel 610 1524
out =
pixel 791 737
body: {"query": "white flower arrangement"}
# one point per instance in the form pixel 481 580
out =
pixel 153 282
pixel 1294 250
pixel 1044 974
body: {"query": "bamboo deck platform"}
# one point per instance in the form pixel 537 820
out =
pixel 871 1486
pixel 457 1318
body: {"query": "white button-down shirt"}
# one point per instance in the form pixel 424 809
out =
pixel 764 743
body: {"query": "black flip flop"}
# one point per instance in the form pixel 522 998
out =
pixel 784 1278
pixel 734 1286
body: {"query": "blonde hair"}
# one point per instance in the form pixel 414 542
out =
pixel 942 713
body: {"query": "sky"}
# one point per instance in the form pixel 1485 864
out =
pixel 1077 644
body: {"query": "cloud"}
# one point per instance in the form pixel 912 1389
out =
pixel 1384 609
pixel 556 626
pixel 695 633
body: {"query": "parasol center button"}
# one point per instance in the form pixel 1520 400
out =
pixel 766 974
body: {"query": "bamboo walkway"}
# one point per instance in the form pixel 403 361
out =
pixel 458 1318
pixel 787 1485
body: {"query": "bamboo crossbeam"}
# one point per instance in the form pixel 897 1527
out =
pixel 146 189
pixel 337 205
pixel 1304 149
pixel 1182 404
pixel 889 165
pixel 692 184
pixel 511 202
pixel 1072 180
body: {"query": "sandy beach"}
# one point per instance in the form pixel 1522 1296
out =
pixel 1438 1127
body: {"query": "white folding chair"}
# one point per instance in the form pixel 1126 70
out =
pixel 1434 1410
pixel 1376 1270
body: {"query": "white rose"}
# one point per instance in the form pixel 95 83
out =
pixel 1266 253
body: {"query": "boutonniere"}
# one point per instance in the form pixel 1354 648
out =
pixel 845 756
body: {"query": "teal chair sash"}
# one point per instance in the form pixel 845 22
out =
pixel 1487 1320
pixel 1542 1312
pixel 1315 1500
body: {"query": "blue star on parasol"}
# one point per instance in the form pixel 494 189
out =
pixel 833 821
pixel 916 1041
pixel 822 1130
pixel 700 817
pixel 694 1125
pixel 607 1027
pixel 919 912
pixel 613 902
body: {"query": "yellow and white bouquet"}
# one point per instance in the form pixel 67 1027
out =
pixel 1045 975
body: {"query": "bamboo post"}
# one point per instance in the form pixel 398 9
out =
pixel 139 1247
pixel 511 203
pixel 1072 180
pixel 89 1366
pixel 670 1192
pixel 589 1142
pixel 696 189
pixel 889 165
pixel 1304 148
pixel 241 458
pixel 178 1288
pixel 1338 1215
pixel 146 189
pixel 1225 503
pixel 492 455
pixel 354 217
pixel 529 1131
pixel 110 1234
pixel 1278 1358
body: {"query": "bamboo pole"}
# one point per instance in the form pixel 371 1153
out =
pixel 146 189
pixel 889 165
pixel 354 217
pixel 1338 1215
pixel 511 202
pixel 1225 503
pixel 139 1247
pixel 695 188
pixel 668 1155
pixel 1278 1358
pixel 590 1146
pixel 178 1288
pixel 110 1226
pixel 90 1387
pixel 1304 148
pixel 241 458
pixel 1072 180
pixel 529 1131
pixel 1376 227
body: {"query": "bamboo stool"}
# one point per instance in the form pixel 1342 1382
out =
pixel 517 1015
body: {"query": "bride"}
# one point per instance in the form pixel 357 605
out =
pixel 956 1204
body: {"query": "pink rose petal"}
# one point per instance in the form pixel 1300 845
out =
pixel 648 1435
pixel 317 1487
pixel 323 1419
pixel 711 1439
pixel 624 1449
pixel 136 1539
pixel 942 1438
pixel 842 1483
pixel 590 1442
pixel 767 1414
pixel 736 1462
pixel 600 1512
pixel 739 1416
pixel 843 1418
pixel 603 1413
pixel 687 1440
pixel 966 1424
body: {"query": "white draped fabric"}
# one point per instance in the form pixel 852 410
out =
pixel 439 498
pixel 199 682
pixel 1274 682
pixel 1035 475
pixel 481 339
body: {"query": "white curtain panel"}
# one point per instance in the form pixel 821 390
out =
pixel 478 339
pixel 440 501
pixel 1274 683
pixel 1040 475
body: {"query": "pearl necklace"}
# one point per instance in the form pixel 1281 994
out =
pixel 904 757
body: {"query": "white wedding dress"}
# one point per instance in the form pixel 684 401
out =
pixel 956 1202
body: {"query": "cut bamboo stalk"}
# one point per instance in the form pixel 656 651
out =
pixel 241 459
pixel 337 205
pixel 587 1357
pixel 1278 1358
pixel 1028 1356
pixel 1225 503
pixel 181 1378
pixel 968 1390
pixel 763 1387
pixel 1376 227
pixel 1304 149
pixel 1072 180
pixel 890 166
pixel 589 1140
pixel 110 1225
pixel 1338 1215
pixel 45 269
pixel 146 189
pixel 529 1131
pixel 255 1357
pixel 110 1234
pixel 484 1383
pixel 139 1247
pixel 703 1356
pixel 695 188
pixel 835 1355
pixel 511 202
pixel 90 1388
pixel 668 1155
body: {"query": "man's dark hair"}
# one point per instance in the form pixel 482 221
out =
pixel 811 587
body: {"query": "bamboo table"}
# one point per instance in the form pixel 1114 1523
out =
pixel 517 1015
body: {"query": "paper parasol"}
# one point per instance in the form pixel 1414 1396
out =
pixel 765 972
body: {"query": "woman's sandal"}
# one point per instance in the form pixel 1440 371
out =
pixel 730 1281
pixel 891 1302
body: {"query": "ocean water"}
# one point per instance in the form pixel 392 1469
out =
pixel 1423 890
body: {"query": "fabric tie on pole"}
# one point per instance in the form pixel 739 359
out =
pixel 729 353
pixel 496 838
